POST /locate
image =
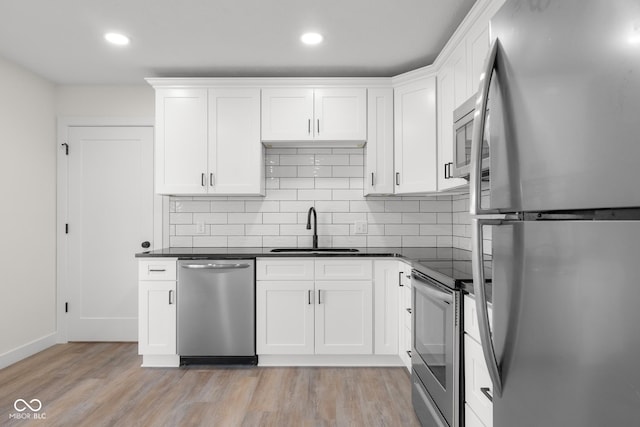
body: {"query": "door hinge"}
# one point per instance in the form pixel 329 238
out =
pixel 66 148
pixel 66 307
pixel 66 229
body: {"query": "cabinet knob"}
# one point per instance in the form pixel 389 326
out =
pixel 145 244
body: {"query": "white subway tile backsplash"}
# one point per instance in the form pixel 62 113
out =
pixel 314 171
pixel 402 230
pixel 297 183
pixel 332 181
pixel 191 206
pixel 181 218
pixel 280 218
pixel 263 206
pixel 348 195
pixel 227 230
pixel 227 206
pixel 402 206
pixel 262 230
pixel 322 194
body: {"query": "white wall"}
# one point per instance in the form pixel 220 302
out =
pixel 27 217
pixel 106 101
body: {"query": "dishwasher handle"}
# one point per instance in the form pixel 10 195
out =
pixel 215 266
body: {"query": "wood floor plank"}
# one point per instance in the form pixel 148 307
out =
pixel 102 384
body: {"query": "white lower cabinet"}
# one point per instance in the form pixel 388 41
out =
pixel 157 315
pixel 386 293
pixel 404 314
pixel 285 317
pixel 344 317
pixel 157 326
pixel 333 316
pixel 478 388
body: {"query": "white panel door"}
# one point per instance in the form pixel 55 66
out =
pixel 340 114
pixel 157 310
pixel 344 322
pixel 386 290
pixel 287 114
pixel 110 212
pixel 284 317
pixel 415 137
pixel 378 177
pixel 236 163
pixel 181 141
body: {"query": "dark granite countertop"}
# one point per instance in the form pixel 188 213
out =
pixel 450 266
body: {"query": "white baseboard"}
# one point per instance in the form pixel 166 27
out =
pixel 160 361
pixel 330 360
pixel 28 349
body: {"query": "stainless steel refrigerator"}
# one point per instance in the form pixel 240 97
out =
pixel 562 91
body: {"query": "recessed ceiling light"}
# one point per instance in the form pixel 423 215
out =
pixel 311 38
pixel 117 39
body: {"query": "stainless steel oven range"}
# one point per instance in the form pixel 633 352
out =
pixel 435 358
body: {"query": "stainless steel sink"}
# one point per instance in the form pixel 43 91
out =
pixel 312 250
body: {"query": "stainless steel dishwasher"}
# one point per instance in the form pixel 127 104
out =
pixel 216 312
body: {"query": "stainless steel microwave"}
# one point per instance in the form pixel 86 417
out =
pixel 462 130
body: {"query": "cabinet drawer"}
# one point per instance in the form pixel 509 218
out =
pixel 157 269
pixel 476 377
pixel 344 269
pixel 284 269
pixel 471 317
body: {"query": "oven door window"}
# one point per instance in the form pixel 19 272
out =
pixel 433 331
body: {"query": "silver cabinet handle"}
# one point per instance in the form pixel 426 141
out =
pixel 319 302
pixel 477 266
pixel 487 393
pixel 215 266
pixel 397 178
pixel 409 353
pixel 479 122
pixel 400 279
pixel 211 179
pixel 157 270
pixel 202 180
pixel 309 292
pixel 318 126
pixel 409 310
pixel 309 126
pixel 372 182
pixel 170 297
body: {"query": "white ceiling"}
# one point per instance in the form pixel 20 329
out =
pixel 62 40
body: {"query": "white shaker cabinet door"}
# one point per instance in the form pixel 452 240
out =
pixel 340 114
pixel 378 177
pixel 285 317
pixel 157 317
pixel 181 141
pixel 287 114
pixel 236 163
pixel 415 137
pixel 344 323
pixel 386 319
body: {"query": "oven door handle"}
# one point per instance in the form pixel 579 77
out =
pixel 433 290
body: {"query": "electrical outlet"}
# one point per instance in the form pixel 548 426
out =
pixel 200 227
pixel 361 227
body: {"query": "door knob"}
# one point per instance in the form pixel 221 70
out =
pixel 146 244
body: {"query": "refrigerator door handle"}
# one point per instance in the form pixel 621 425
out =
pixel 477 265
pixel 479 122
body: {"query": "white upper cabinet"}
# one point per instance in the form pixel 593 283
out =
pixel 287 114
pixel 236 163
pixel 181 141
pixel 415 137
pixel 452 91
pixel 208 141
pixel 299 114
pixel 378 176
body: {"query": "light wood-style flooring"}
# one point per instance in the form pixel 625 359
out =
pixel 102 384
